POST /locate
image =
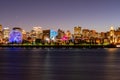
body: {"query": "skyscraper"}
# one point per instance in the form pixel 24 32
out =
pixel 1 33
pixel 77 31
pixel 6 32
pixel 37 32
pixel 0 27
pixel 112 35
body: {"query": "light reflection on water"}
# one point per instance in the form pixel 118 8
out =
pixel 112 50
pixel 59 64
pixel 112 64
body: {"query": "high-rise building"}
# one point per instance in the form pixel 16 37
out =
pixel 36 32
pixel 49 34
pixel 53 34
pixel 117 34
pixel 24 35
pixel 46 35
pixel 92 33
pixel 77 31
pixel 102 35
pixel 85 33
pixel 68 34
pixel 112 35
pixel 6 32
pixel 1 34
pixel 0 27
pixel 37 29
pixel 61 33
pixel 111 31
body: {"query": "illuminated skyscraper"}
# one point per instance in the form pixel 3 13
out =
pixel 1 34
pixel 85 33
pixel 77 31
pixel 68 34
pixel 111 31
pixel 92 33
pixel 61 33
pixel 6 32
pixel 112 35
pixel 37 32
pixel 24 35
pixel 0 27
pixel 49 34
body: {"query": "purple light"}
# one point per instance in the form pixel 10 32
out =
pixel 15 36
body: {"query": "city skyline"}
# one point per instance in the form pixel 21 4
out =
pixel 63 14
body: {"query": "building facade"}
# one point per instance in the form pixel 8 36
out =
pixel 6 32
pixel 77 31
pixel 37 32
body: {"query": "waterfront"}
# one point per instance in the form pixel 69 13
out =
pixel 59 64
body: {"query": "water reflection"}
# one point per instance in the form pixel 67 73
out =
pixel 59 64
pixel 112 64
pixel 111 50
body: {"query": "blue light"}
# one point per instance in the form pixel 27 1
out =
pixel 53 34
pixel 15 36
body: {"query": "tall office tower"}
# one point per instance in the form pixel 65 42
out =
pixel 111 31
pixel 6 32
pixel 1 34
pixel 92 33
pixel 0 27
pixel 85 32
pixel 77 31
pixel 24 35
pixel 37 32
pixel 112 35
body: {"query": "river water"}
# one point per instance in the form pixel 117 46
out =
pixel 59 64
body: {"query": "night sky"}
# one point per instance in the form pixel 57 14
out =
pixel 63 14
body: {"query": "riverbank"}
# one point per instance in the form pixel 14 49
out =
pixel 59 46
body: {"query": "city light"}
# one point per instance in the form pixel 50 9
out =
pixel 15 36
pixel 80 36
pixel 47 39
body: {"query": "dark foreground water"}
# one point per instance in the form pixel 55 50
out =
pixel 59 64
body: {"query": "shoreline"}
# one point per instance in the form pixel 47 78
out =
pixel 60 46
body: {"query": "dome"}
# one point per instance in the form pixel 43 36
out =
pixel 15 36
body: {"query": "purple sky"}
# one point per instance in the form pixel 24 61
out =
pixel 63 14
